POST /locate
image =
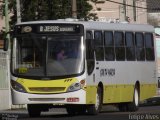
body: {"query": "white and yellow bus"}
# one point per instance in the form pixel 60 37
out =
pixel 101 63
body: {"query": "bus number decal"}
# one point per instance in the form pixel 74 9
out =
pixel 68 80
pixel 107 72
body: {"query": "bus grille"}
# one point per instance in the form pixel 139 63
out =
pixel 47 89
pixel 46 99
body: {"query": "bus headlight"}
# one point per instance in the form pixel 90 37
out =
pixel 18 87
pixel 74 87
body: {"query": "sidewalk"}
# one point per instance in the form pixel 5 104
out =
pixel 14 111
pixel 24 111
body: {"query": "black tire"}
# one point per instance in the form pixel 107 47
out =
pixel 81 109
pixel 134 106
pixel 71 110
pixel 33 110
pixel 75 109
pixel 96 108
pixel 123 107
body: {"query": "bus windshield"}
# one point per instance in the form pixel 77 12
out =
pixel 47 56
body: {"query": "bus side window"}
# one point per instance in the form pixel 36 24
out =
pixel 149 46
pixel 140 51
pixel 89 35
pixel 130 46
pixel 109 46
pixel 99 49
pixel 90 52
pixel 119 46
pixel 89 45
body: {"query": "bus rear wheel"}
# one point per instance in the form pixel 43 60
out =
pixel 133 106
pixel 95 108
pixel 33 110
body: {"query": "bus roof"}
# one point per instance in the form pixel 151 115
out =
pixel 96 25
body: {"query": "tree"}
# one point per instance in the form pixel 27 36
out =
pixel 1 8
pixel 12 9
pixel 32 10
pixel 83 9
pixel 59 9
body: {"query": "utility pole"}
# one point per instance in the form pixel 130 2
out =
pixel 134 10
pixel 124 8
pixel 18 11
pixel 6 17
pixel 74 8
pixel 8 55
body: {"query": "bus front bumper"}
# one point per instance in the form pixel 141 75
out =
pixel 76 97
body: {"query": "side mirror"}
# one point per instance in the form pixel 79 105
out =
pixel 6 41
pixel 6 44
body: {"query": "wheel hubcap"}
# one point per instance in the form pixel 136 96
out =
pixel 136 97
pixel 97 101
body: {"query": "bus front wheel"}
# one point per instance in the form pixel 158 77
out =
pixel 33 110
pixel 75 109
pixel 95 108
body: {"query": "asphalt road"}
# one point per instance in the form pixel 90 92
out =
pixel 108 113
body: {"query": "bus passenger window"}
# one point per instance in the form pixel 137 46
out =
pixel 98 38
pixel 119 46
pixel 99 45
pixel 109 46
pixel 89 35
pixel 130 46
pixel 149 46
pixel 140 51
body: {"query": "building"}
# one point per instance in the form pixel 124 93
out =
pixel 153 12
pixel 121 9
pixel 153 6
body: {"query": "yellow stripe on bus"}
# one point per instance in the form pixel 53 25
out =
pixel 120 93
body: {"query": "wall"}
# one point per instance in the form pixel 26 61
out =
pixel 111 10
pixel 5 97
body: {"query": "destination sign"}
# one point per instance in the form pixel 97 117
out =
pixel 56 29
pixel 49 28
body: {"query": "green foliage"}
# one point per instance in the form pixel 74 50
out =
pixel 2 7
pixel 59 9
pixel 32 10
pixel 2 34
pixel 12 9
pixel 83 9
